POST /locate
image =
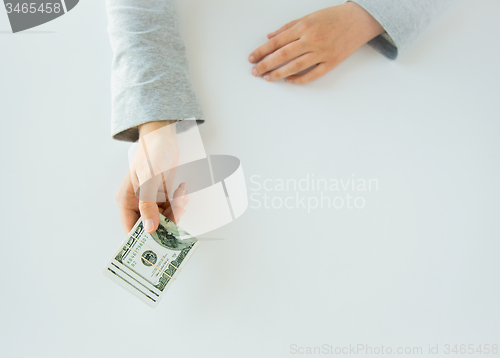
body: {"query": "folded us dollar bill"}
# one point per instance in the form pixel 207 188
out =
pixel 147 264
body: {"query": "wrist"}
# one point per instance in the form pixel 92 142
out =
pixel 367 24
pixel 146 128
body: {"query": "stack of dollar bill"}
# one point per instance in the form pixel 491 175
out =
pixel 147 264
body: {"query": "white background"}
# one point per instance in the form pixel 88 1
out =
pixel 418 265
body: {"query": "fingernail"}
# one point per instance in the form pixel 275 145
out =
pixel 289 80
pixel 183 194
pixel 183 186
pixel 267 78
pixel 254 71
pixel 251 58
pixel 149 225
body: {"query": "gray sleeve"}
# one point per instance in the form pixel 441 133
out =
pixel 150 74
pixel 402 21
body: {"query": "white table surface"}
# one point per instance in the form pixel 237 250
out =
pixel 418 265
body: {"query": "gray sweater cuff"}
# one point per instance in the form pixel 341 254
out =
pixel 402 20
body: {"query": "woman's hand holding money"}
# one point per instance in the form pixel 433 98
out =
pixel 150 176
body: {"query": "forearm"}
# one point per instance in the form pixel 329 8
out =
pixel 402 20
pixel 150 73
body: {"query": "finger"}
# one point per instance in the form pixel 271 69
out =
pixel 309 76
pixel 298 64
pixel 272 45
pixel 150 215
pixel 174 215
pixel 178 203
pixel 280 57
pixel 127 204
pixel 128 218
pixel 283 28
pixel 165 187
pixel 181 196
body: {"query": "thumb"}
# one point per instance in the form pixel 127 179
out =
pixel 150 215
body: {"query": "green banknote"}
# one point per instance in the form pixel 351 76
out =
pixel 147 264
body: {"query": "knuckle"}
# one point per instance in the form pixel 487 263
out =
pixel 274 75
pixel 260 67
pixel 283 54
pixel 146 205
pixel 289 25
pixel 305 25
pixel 297 66
pixel 278 74
pixel 275 42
